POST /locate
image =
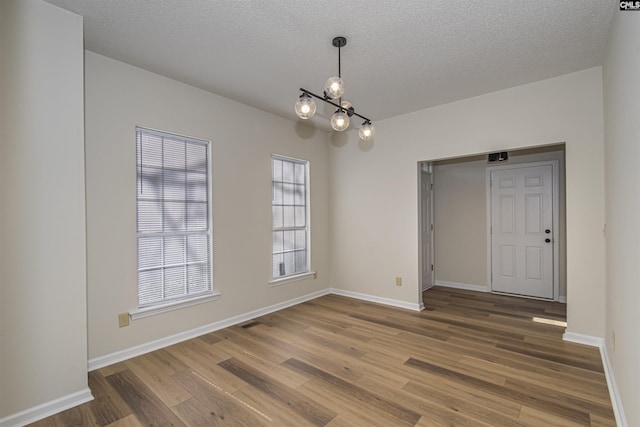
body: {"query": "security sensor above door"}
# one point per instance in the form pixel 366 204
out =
pixel 498 157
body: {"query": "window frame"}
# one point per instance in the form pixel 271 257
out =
pixel 168 304
pixel 277 280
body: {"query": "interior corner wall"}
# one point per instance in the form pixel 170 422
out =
pixel 622 175
pixel 374 186
pixel 43 335
pixel 120 97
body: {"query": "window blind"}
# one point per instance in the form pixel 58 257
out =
pixel 173 230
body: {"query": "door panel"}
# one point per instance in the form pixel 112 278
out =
pixel 521 214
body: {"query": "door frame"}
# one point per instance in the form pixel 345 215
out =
pixel 425 167
pixel 555 197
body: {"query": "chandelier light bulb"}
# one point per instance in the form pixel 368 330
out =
pixel 367 131
pixel 334 87
pixel 340 121
pixel 305 106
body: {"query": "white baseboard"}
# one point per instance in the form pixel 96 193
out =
pixel 466 286
pixel 583 339
pixel 616 401
pixel 119 356
pixel 47 409
pixel 379 300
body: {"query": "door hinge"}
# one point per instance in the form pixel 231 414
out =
pixel 431 267
pixel 432 186
pixel 431 227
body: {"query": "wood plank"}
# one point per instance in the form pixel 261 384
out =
pixel 211 405
pixel 129 421
pixel 563 359
pixel 352 412
pixel 112 369
pixel 107 406
pixel 536 401
pixel 355 392
pixel 80 416
pixel 555 381
pixel 147 407
pixel 158 379
pixel 306 408
pixel 602 409
pixel 445 401
pixel 535 418
pixel 286 376
pixel 470 359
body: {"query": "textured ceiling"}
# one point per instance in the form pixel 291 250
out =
pixel 401 56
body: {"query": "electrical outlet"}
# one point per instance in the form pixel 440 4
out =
pixel 398 281
pixel 123 319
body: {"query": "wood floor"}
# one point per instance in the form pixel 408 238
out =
pixel 469 359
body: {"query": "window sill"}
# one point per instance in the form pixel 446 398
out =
pixel 289 279
pixel 152 311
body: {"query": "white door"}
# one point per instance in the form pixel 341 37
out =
pixel 522 231
pixel 426 229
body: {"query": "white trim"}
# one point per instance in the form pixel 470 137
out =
pixel 616 401
pixel 307 186
pixel 562 299
pixel 467 286
pixel 119 356
pixel 152 311
pixel 47 409
pixel 555 190
pixel 165 306
pixel 380 300
pixel 583 339
pixel 289 279
pixel 487 184
pixel 425 168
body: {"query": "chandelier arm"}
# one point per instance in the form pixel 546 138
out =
pixel 348 111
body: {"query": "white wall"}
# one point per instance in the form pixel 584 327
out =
pixel 43 330
pixel 119 97
pixel 622 152
pixel 460 204
pixel 374 187
pixel 460 218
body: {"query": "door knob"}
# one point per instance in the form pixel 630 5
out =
pixel 547 231
pixel 547 240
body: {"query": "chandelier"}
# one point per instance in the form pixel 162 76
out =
pixel 333 90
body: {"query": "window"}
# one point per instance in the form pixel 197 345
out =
pixel 173 225
pixel 290 197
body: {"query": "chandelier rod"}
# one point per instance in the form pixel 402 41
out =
pixel 339 42
pixel 350 111
pixel 339 60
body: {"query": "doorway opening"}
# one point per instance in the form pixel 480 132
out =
pixel 460 249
